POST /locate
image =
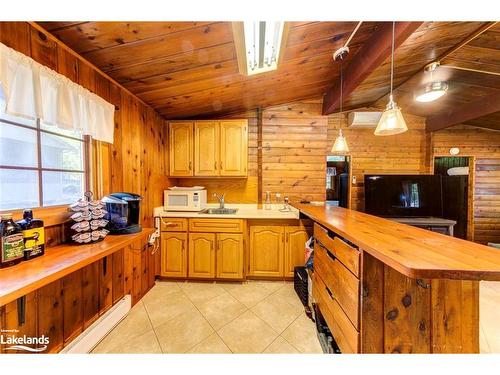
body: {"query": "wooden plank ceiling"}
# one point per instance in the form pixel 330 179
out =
pixel 482 53
pixel 189 69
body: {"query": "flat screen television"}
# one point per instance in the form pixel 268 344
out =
pixel 404 195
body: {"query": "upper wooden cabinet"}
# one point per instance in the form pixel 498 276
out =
pixel 233 148
pixel 181 149
pixel 206 149
pixel 209 148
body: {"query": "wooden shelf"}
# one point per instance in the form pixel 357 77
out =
pixel 58 262
pixel 414 252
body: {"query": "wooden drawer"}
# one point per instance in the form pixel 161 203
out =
pixel 169 224
pixel 344 333
pixel 216 225
pixel 340 249
pixel 340 281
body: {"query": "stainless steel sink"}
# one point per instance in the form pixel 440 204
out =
pixel 219 211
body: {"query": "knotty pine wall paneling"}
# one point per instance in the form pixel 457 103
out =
pixel 136 161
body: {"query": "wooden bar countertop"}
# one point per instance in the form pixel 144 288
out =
pixel 414 252
pixel 58 261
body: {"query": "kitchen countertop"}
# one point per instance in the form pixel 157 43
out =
pixel 414 252
pixel 58 261
pixel 245 211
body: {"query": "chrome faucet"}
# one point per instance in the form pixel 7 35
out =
pixel 220 198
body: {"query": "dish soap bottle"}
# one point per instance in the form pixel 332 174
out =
pixel 267 204
pixel 33 235
pixel 12 244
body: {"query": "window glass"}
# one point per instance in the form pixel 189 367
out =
pixel 18 146
pixel 60 168
pixel 62 187
pixel 61 152
pixel 18 189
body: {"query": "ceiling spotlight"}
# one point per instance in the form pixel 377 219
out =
pixel 432 91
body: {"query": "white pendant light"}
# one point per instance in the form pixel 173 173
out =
pixel 340 144
pixel 391 122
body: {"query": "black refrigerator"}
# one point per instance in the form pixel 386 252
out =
pixel 455 202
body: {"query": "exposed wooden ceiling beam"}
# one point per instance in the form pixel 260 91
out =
pixel 461 114
pixel 373 53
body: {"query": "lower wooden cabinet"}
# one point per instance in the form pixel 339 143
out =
pixel 230 256
pixel 201 255
pixel 205 255
pixel 174 254
pixel 267 246
pixel 295 239
pixel 275 250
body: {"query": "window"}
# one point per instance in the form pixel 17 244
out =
pixel 40 165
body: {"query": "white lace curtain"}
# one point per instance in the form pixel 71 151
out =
pixel 33 91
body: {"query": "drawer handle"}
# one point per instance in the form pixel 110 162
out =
pixel 329 292
pixel 421 283
pixel 332 257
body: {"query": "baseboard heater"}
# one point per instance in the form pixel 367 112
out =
pixel 89 338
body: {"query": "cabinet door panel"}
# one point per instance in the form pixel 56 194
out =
pixel 90 294
pixel 230 250
pixel 201 255
pixel 233 148
pixel 173 254
pixel 12 319
pixel 206 149
pixel 266 251
pixel 73 305
pixel 295 239
pixel 50 315
pixel 181 148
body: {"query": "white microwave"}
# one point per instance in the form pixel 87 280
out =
pixel 185 200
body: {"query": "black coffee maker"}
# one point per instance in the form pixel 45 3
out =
pixel 123 212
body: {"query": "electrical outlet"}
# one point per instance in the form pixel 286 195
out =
pixel 354 180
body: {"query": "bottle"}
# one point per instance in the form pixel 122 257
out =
pixel 267 204
pixel 12 243
pixel 33 235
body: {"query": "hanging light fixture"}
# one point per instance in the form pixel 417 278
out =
pixel 340 145
pixel 391 122
pixel 434 89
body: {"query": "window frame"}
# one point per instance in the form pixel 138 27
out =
pixel 86 171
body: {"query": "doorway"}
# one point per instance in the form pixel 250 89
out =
pixel 337 181
pixel 455 174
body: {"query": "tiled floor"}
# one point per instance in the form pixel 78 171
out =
pixel 196 317
pixel 489 334
pixel 253 317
